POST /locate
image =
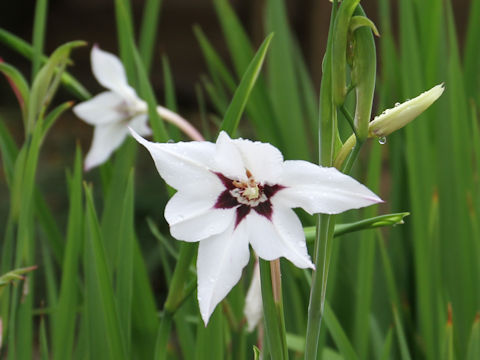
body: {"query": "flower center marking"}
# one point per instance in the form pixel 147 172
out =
pixel 246 195
pixel 248 192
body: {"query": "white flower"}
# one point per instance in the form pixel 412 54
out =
pixel 233 193
pixel 113 111
pixel 253 309
pixel 397 117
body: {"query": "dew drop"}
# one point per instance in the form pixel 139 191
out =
pixel 170 141
pixel 382 140
pixel 397 104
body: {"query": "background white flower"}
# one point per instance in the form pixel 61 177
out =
pixel 238 192
pixel 253 310
pixel 113 111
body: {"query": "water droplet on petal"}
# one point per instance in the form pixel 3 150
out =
pixel 382 140
pixel 397 104
pixel 170 141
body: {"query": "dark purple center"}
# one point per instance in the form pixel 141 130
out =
pixel 227 201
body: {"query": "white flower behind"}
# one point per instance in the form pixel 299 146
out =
pixel 253 309
pixel 113 111
pixel 233 193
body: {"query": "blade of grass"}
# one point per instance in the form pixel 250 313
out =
pixel 39 25
pixel 101 279
pixel 64 316
pixel 402 342
pixel 124 276
pixel 240 98
pixel 338 334
pixel 148 31
pixel 26 50
pixel 283 83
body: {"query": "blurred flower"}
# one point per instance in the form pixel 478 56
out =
pixel 113 112
pixel 253 309
pixel 397 117
pixel 233 193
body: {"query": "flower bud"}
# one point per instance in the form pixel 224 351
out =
pixel 397 117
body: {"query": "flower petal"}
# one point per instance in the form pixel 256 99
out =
pixel 192 216
pixel 140 125
pixel 109 71
pixel 184 165
pixel 319 189
pixel 283 236
pixel 106 138
pixel 228 159
pixel 234 157
pixel 100 109
pixel 262 159
pixel 221 259
pixel 253 309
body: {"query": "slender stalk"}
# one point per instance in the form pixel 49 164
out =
pixel 174 298
pixel 180 122
pixel 163 335
pixel 273 309
pixel 322 255
pixel 325 223
pixel 352 157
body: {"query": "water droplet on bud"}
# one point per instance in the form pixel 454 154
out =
pixel 382 140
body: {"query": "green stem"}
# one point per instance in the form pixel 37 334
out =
pixel 163 336
pixel 175 294
pixel 273 309
pixel 175 297
pixel 322 255
pixel 352 157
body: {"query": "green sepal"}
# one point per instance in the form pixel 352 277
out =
pixel 339 50
pixel 359 21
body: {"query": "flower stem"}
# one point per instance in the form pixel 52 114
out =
pixel 180 122
pixel 174 298
pixel 162 336
pixel 273 309
pixel 322 254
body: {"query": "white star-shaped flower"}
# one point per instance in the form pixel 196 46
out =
pixel 233 193
pixel 113 111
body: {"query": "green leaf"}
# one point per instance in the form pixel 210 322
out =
pixel 18 83
pixel 402 341
pixel 39 25
pixel 124 288
pixel 65 314
pixel 338 334
pixel 26 50
pixel 473 350
pixel 295 342
pixel 366 224
pixel 54 115
pixel 241 95
pixel 100 307
pixel 148 31
pixel 47 80
pixel 283 84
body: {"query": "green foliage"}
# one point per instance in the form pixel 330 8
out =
pixel 389 288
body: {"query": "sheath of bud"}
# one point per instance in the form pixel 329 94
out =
pixel 339 49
